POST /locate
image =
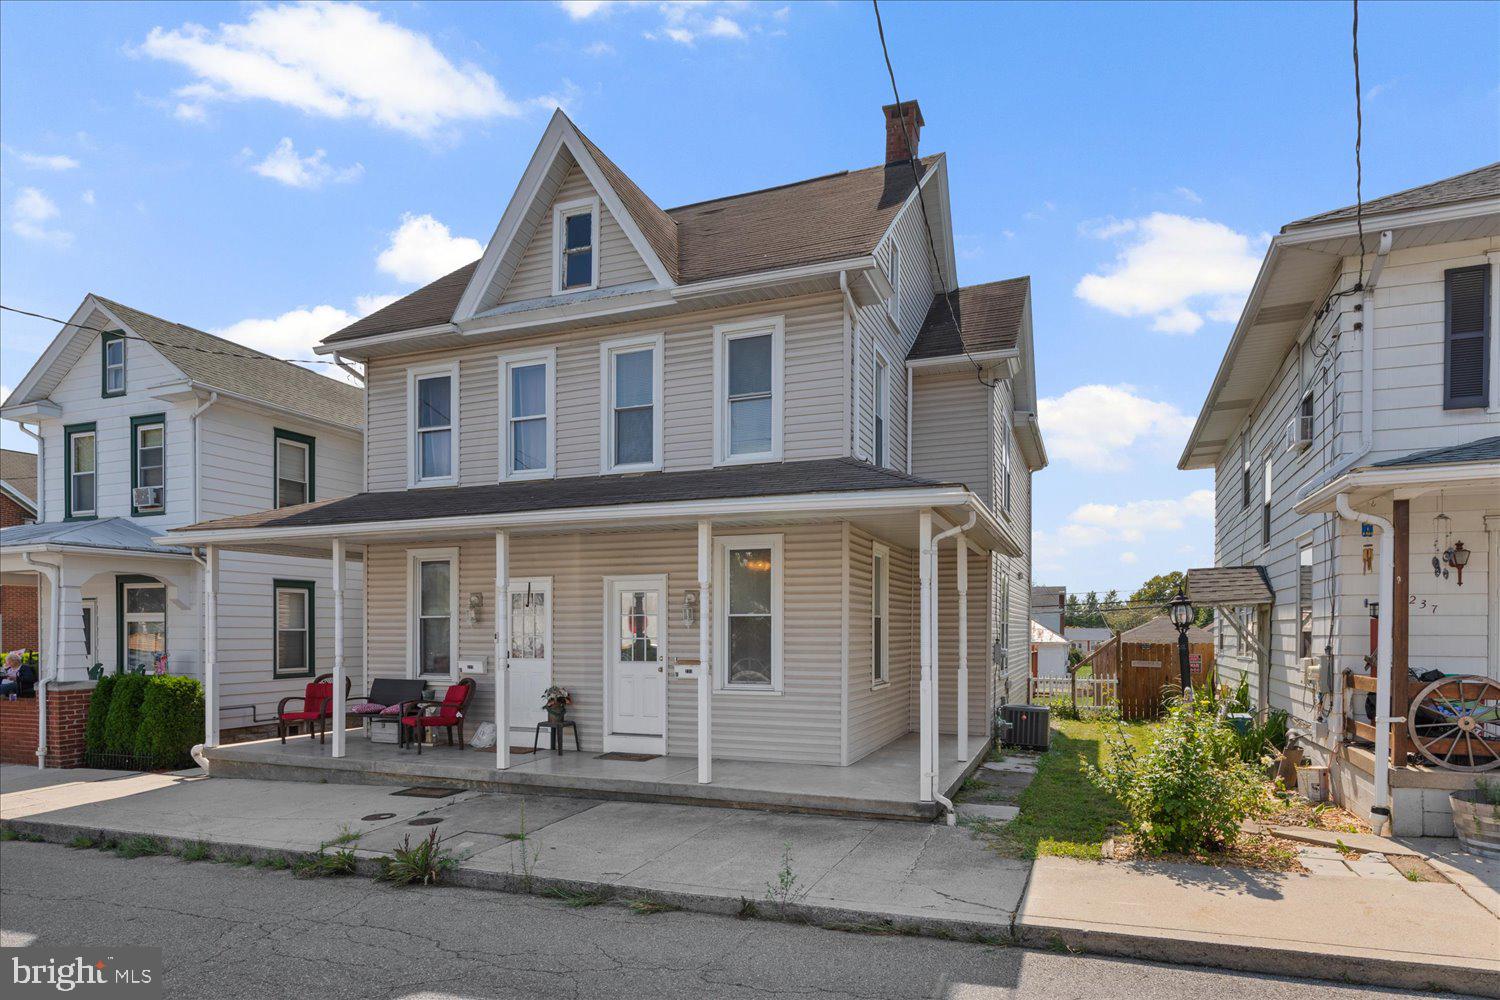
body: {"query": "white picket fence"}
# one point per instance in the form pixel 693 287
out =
pixel 1093 692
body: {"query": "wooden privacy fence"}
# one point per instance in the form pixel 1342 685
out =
pixel 1091 692
pixel 1141 669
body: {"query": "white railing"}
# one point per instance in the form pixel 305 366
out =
pixel 1092 692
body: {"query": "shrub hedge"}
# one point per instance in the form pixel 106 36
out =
pixel 93 726
pixel 124 713
pixel 171 721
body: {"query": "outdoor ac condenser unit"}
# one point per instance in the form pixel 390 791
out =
pixel 1025 726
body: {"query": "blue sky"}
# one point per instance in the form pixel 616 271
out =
pixel 271 172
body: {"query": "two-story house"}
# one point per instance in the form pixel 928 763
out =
pixel 1354 433
pixel 142 425
pixel 750 478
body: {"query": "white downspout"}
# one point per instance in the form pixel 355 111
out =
pixel 213 398
pixel 54 642
pixel 934 754
pixel 911 412
pixel 853 366
pixel 1367 359
pixel 1381 807
pixel 41 471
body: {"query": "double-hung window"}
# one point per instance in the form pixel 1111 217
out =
pixel 882 408
pixel 527 394
pixel 296 459
pixel 434 432
pixel 1305 599
pixel 575 255
pixel 748 576
pixel 81 475
pixel 748 388
pixel 880 630
pixel 1265 506
pixel 893 305
pixel 295 624
pixel 631 439
pixel 434 603
pixel 148 465
pixel 143 623
pixel 112 365
pixel 1005 460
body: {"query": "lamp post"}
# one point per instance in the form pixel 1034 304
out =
pixel 1182 617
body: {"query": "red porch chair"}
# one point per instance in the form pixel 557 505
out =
pixel 317 708
pixel 448 713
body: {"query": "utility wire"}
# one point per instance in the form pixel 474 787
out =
pixel 165 345
pixel 916 179
pixel 1359 136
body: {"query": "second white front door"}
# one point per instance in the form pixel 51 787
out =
pixel 530 619
pixel 635 655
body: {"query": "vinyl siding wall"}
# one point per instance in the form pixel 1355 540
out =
pixel 952 431
pixel 813 409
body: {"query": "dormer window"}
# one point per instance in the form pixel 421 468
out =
pixel 112 378
pixel 576 265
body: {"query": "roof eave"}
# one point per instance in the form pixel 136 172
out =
pixel 193 387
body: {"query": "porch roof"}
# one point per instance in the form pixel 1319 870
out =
pixel 1466 468
pixel 808 488
pixel 109 534
pixel 1228 586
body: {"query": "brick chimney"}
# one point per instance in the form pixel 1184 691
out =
pixel 897 149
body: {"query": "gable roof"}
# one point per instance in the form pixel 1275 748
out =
pixel 1483 450
pixel 827 218
pixel 18 474
pixel 1483 182
pixel 1041 635
pixel 244 371
pixel 990 316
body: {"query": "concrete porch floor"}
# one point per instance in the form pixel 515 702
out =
pixel 882 784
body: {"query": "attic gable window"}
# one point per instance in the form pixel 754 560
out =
pixel 576 233
pixel 112 360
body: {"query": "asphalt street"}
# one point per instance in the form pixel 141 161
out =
pixel 231 932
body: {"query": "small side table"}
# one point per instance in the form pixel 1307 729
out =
pixel 555 735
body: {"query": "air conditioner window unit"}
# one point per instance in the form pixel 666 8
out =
pixel 145 496
pixel 1298 433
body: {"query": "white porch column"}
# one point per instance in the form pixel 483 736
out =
pixel 926 785
pixel 211 646
pixel 963 647
pixel 705 617
pixel 502 650
pixel 339 706
pixel 1492 573
pixel 51 657
pixel 935 706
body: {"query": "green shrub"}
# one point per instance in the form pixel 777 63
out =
pixel 1189 789
pixel 98 716
pixel 171 721
pixel 124 713
pixel 1264 739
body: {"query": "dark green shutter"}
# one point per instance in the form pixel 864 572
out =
pixel 1466 337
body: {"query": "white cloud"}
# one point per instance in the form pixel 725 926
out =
pixel 329 60
pixel 87 197
pixel 1094 426
pixel 46 161
pixel 1129 558
pixel 190 113
pixel 1188 194
pixel 422 249
pixel 564 97
pixel 685 21
pixel 283 164
pixel 1133 521
pixel 1174 269
pixel 599 49
pixel 367 304
pixel 31 213
pixel 582 10
pixel 293 334
pixel 723 27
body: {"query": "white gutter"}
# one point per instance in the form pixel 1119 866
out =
pixel 41 470
pixel 198 451
pixel 1389 477
pixel 965 360
pixel 167 392
pixel 950 814
pixel 53 573
pixel 1380 810
pixel 354 373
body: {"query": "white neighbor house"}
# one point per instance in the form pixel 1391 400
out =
pixel 1354 431
pixel 149 425
pixel 1049 652
pixel 685 464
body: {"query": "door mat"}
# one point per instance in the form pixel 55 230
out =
pixel 513 750
pixel 426 792
pixel 636 757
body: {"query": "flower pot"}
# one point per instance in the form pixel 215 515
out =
pixel 1476 820
pixel 556 715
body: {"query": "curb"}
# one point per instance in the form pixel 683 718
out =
pixel 1348 969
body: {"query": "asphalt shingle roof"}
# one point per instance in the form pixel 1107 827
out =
pixel 1481 183
pixel 578 492
pixel 1228 585
pixel 18 468
pixel 224 364
pixel 1483 450
pixel 990 316
pixel 1162 630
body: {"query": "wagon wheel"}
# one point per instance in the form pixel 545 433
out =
pixel 1455 723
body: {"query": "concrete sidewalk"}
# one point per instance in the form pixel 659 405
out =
pixel 858 874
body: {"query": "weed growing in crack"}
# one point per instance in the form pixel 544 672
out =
pixel 195 851
pixel 345 837
pixel 785 891
pixel 644 906
pixel 275 862
pixel 423 864
pixel 578 898
pixel 141 846
pixel 326 865
pixel 82 842
pixel 529 853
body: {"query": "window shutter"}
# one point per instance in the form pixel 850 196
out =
pixel 1466 346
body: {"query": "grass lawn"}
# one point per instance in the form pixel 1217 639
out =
pixel 1062 812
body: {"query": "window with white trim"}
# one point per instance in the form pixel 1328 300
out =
pixel 113 364
pixel 1305 598
pixel 1005 460
pixel 576 258
pixel 149 464
pixel 528 389
pixel 83 458
pixel 880 628
pixel 882 408
pixel 1245 470
pixel 631 421
pixel 748 387
pixel 434 433
pixel 434 612
pixel 1265 509
pixel 749 576
pixel 893 304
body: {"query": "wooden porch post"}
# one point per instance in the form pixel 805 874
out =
pixel 211 646
pixel 705 689
pixel 339 702
pixel 962 569
pixel 1400 628
pixel 502 650
pixel 926 784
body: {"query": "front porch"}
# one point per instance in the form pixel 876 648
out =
pixel 882 784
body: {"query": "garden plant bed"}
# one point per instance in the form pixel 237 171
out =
pixel 1258 851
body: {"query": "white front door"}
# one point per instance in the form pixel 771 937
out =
pixel 530 621
pixel 635 662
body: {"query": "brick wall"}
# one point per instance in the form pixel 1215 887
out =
pixel 12 513
pixel 17 604
pixel 67 708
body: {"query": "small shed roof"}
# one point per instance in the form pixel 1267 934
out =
pixel 1162 630
pixel 1229 585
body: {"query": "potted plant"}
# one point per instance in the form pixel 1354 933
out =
pixel 556 700
pixel 1476 818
